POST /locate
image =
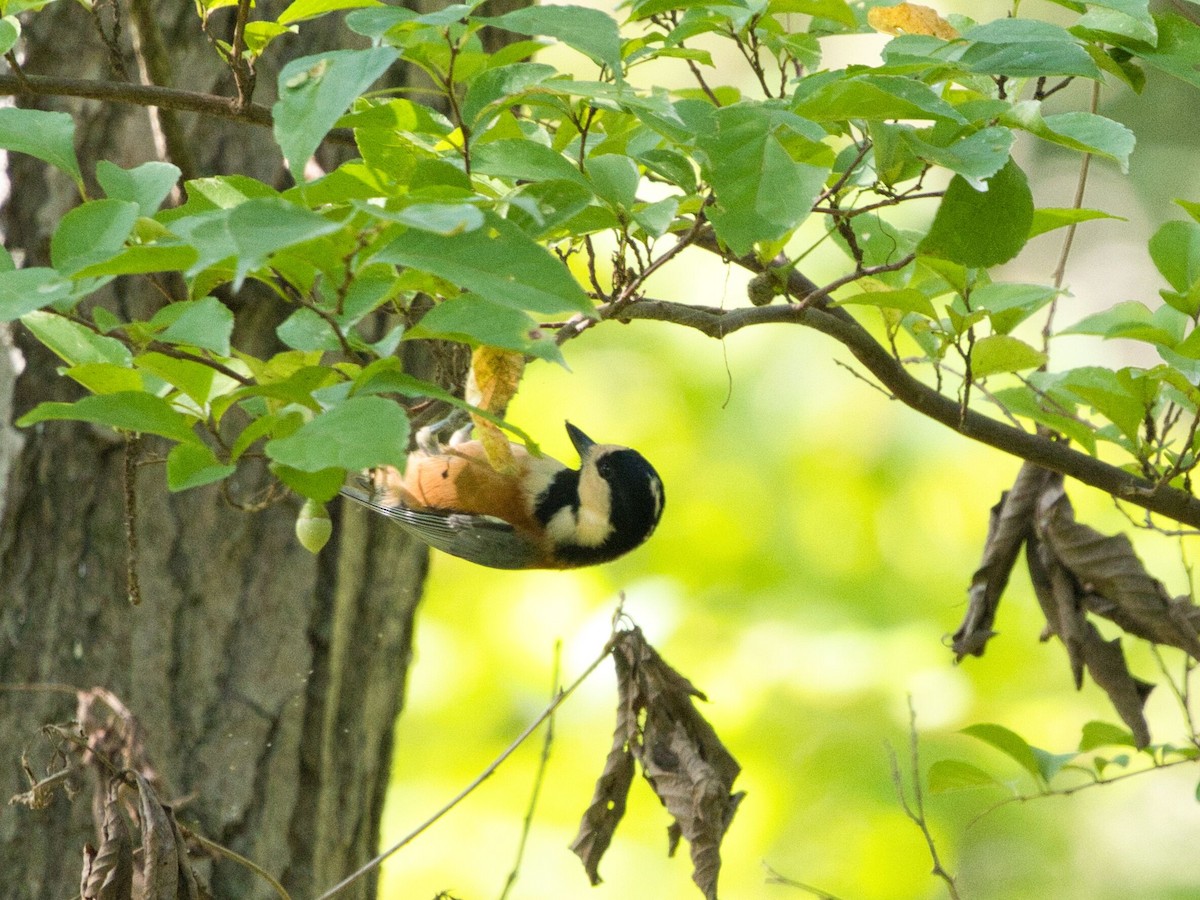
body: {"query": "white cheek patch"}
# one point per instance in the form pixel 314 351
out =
pixel 561 527
pixel 593 528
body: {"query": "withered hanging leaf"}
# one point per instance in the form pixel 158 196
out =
pixel 607 808
pixel 108 870
pixel 1112 579
pixel 681 756
pixel 166 871
pixel 493 382
pixel 1010 523
pixel 1061 600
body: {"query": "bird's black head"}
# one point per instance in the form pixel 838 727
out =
pixel 611 505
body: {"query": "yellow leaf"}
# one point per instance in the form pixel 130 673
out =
pixel 910 18
pixel 495 376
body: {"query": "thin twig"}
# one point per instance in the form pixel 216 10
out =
pixel 774 877
pixel 538 778
pixel 916 810
pixel 214 847
pixel 479 779
pixel 133 443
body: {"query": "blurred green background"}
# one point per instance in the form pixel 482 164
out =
pixel 816 548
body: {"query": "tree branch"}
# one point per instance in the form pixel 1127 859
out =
pixel 841 326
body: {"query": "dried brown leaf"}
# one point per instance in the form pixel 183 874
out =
pixel 1010 523
pixel 1113 582
pixel 603 814
pixel 681 756
pixel 108 870
pixel 1062 602
pixel 166 870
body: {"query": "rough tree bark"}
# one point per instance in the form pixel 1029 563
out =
pixel 267 681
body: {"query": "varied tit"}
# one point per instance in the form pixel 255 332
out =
pixel 545 516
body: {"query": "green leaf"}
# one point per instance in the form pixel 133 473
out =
pixel 1078 130
pixel 1050 218
pixel 1104 734
pixel 614 179
pixel 91 233
pixel 955 775
pixel 259 228
pixel 206 324
pixel 1023 401
pixel 1109 394
pixel 194 465
pixel 300 10
pixel 440 218
pixel 765 173
pixel 1178 49
pixel 1175 249
pixel 492 86
pixel 10 32
pixel 356 434
pixel 985 228
pixel 74 342
pixel 523 160
pixel 322 485
pixel 106 378
pixel 314 91
pixel 590 31
pixel 837 10
pixel 140 259
pixel 146 185
pixel 1003 353
pixel 976 157
pixel 194 379
pixel 1131 320
pixel 49 136
pixel 1025 47
pixel 305 330
pixel 499 262
pixel 24 290
pixel 871 97
pixel 475 320
pixel 129 411
pixel 1009 304
pixel 903 299
pixel 1009 743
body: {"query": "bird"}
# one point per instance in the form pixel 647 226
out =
pixel 541 515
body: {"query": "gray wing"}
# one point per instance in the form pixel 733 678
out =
pixel 485 540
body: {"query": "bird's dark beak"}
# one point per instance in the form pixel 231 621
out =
pixel 582 442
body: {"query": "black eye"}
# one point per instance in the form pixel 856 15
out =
pixel 604 466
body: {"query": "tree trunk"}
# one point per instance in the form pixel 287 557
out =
pixel 266 681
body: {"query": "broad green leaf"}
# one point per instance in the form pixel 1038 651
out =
pixel 259 228
pixel 1050 218
pixel 674 167
pixel 314 91
pixel 998 353
pixel 903 299
pixel 305 330
pixel 1178 49
pixel 1119 20
pixel 74 342
pixel 955 775
pixel 541 208
pixel 300 10
pixel 206 324
pixel 25 290
pixel 1130 319
pixel 614 179
pixel 1009 304
pixel 321 485
pixel 194 465
pixel 1109 394
pixel 1009 743
pixel 1023 401
pixel 1175 249
pixel 656 218
pixel 499 262
pixel 837 10
pixel 440 218
pixel 982 228
pixel 138 259
pixel 976 157
pixel 146 185
pixel 91 233
pixel 10 32
pixel 524 160
pixel 49 136
pixel 1025 48
pixel 106 378
pixel 1104 734
pixel 500 84
pixel 474 320
pixel 356 434
pixel 129 411
pixel 590 31
pixel 871 97
pixel 195 379
pixel 765 173
pixel 259 34
pixel 1077 130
